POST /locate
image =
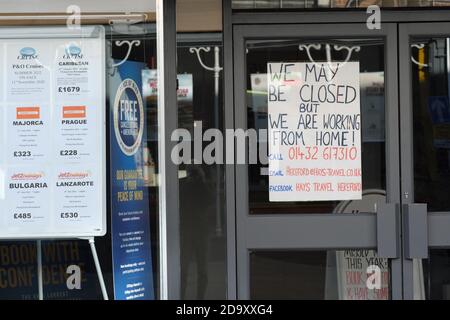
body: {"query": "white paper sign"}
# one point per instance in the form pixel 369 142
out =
pixel 314 128
pixel 361 274
pixel 52 120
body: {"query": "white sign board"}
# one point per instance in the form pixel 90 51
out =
pixel 314 129
pixel 362 275
pixel 52 137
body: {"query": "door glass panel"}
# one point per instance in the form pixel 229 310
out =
pixel 319 275
pixel 370 55
pixel 203 251
pixel 436 277
pixel 430 72
pixel 430 69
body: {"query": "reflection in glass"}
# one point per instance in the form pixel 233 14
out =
pixel 201 186
pixel 318 275
pixel 430 71
pixel 330 4
pixel 436 275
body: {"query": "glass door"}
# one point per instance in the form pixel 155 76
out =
pixel 327 236
pixel 425 153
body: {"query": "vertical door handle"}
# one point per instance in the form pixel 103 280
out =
pixel 388 215
pixel 415 230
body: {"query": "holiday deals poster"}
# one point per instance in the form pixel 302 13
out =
pixel 131 243
pixel 52 104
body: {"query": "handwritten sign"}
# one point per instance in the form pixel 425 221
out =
pixel 362 275
pixel 314 128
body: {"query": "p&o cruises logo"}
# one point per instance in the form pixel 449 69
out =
pixel 73 52
pixel 27 53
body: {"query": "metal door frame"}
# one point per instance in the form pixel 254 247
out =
pixel 435 232
pixel 325 231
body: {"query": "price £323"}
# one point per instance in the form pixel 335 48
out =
pixel 21 154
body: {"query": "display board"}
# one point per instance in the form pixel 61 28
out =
pixel 314 123
pixel 52 137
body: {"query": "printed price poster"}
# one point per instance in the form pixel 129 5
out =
pixel 75 75
pixel 78 192
pixel 76 102
pixel 28 134
pixel 75 126
pixel 314 131
pixel 28 70
pixel 28 193
pixel 52 113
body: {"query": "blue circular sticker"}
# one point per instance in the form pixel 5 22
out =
pixel 128 117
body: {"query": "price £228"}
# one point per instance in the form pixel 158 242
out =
pixel 68 152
